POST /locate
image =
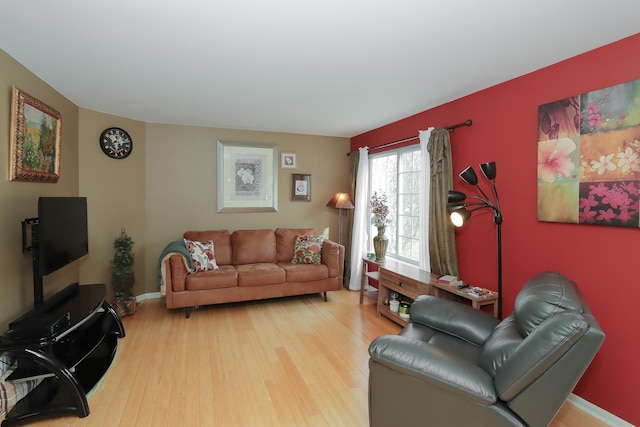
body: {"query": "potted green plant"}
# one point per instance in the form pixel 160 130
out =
pixel 122 275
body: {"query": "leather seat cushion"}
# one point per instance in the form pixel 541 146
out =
pixel 304 272
pixel 224 277
pixel 260 274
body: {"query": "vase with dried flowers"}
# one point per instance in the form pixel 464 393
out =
pixel 380 209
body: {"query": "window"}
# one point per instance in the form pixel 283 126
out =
pixel 396 173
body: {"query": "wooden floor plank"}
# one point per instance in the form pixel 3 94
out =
pixel 295 361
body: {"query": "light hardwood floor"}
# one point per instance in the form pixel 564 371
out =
pixel 295 361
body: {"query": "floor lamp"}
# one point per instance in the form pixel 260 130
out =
pixel 340 201
pixel 460 212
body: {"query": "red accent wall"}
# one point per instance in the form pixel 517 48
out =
pixel 600 259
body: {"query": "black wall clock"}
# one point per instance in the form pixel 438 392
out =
pixel 116 143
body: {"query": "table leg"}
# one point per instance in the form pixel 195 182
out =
pixel 363 281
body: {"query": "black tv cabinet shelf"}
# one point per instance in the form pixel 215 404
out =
pixel 70 361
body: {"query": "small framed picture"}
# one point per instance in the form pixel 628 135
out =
pixel 301 187
pixel 288 160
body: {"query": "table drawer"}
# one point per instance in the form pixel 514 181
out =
pixel 403 284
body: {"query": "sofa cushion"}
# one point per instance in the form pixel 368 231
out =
pixel 202 255
pixel 307 250
pixel 304 272
pixel 221 242
pixel 253 246
pixel 259 274
pixel 12 391
pixel 225 277
pixel 286 238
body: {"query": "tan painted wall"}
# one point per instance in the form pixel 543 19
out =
pixel 181 189
pixel 19 200
pixel 115 196
pixel 166 186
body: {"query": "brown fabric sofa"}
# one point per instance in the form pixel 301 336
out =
pixel 253 265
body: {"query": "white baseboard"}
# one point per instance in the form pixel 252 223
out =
pixel 150 295
pixel 597 412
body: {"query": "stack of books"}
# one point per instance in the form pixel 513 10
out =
pixel 447 279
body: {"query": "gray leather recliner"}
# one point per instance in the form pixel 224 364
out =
pixel 456 366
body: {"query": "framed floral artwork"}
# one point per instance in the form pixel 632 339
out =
pixel 589 158
pixel 36 132
pixel 247 177
pixel 300 187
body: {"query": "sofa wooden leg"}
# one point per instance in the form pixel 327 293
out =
pixel 188 312
pixel 324 295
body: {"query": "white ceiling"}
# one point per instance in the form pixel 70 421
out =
pixel 321 67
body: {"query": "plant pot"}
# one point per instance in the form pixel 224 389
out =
pixel 123 284
pixel 125 306
pixel 380 244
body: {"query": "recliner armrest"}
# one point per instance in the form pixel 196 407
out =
pixel 453 318
pixel 428 364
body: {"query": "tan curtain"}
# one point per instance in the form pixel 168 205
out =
pixel 354 160
pixel 442 244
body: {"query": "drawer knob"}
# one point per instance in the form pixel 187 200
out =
pixel 400 284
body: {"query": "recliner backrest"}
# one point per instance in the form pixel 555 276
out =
pixel 541 297
pixel 546 322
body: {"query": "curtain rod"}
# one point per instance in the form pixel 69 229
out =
pixel 449 128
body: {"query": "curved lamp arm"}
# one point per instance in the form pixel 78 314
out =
pixel 460 212
pixel 456 208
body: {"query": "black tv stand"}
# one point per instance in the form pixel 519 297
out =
pixel 70 361
pixel 58 298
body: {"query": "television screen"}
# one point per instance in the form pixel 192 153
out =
pixel 62 232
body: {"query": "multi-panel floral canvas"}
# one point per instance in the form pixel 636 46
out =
pixel 589 158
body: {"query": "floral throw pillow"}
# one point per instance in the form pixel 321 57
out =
pixel 307 250
pixel 202 254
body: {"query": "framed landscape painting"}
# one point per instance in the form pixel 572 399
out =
pixel 247 177
pixel 36 131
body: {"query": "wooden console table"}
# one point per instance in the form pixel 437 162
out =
pixel 411 282
pixel 366 275
pixel 405 279
pixel 441 290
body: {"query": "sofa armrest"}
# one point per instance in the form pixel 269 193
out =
pixel 333 257
pixel 453 318
pixel 177 271
pixel 428 364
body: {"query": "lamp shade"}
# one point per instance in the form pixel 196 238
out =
pixel 455 196
pixel 489 169
pixel 459 216
pixel 340 201
pixel 469 176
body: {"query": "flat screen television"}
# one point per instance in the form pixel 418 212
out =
pixel 62 232
pixel 59 237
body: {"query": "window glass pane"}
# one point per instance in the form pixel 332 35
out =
pixel 396 173
pixel 415 208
